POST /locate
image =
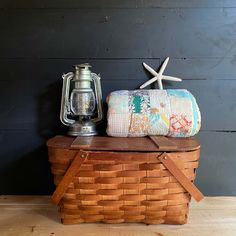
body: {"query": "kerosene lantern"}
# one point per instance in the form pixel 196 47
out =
pixel 79 103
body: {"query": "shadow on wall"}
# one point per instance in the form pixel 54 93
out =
pixel 30 174
pixel 25 168
pixel 48 103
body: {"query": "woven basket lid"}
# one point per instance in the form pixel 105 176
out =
pixel 145 144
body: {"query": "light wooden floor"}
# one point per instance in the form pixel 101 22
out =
pixel 34 215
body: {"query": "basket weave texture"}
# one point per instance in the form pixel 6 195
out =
pixel 116 187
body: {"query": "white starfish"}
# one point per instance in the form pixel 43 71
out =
pixel 158 76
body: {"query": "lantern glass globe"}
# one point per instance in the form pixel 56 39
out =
pixel 82 102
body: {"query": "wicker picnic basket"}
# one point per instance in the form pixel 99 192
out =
pixel 114 180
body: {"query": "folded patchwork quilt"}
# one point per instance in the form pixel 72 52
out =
pixel 171 112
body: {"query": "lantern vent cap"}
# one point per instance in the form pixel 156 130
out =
pixel 84 66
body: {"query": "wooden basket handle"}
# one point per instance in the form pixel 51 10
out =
pixel 180 176
pixel 68 177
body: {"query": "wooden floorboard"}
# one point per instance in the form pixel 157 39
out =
pixel 35 215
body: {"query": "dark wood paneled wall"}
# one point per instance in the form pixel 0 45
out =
pixel 40 40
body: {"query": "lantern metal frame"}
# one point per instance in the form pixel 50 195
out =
pixel 82 126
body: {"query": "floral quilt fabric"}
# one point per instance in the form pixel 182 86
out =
pixel 172 112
